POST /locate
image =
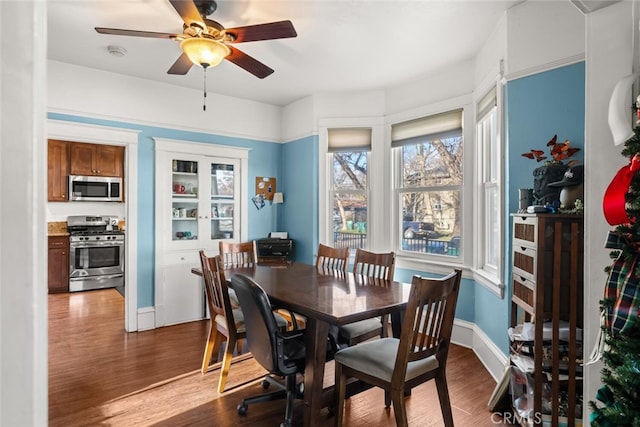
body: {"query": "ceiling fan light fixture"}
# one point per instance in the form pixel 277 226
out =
pixel 204 52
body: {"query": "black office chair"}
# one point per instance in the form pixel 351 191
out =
pixel 281 353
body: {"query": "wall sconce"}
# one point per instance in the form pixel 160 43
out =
pixel 277 198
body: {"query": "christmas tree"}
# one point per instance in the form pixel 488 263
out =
pixel 618 400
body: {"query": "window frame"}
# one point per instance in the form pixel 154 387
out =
pixel 378 235
pixel 435 262
pixel 491 277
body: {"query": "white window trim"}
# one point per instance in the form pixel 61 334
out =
pixel 493 281
pixel 435 263
pixel 377 233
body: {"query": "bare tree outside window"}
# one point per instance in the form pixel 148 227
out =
pixel 431 185
pixel 349 196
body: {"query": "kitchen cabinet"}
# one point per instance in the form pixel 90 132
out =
pixel 58 256
pixel 96 159
pixel 200 190
pixel 57 170
pixel 547 299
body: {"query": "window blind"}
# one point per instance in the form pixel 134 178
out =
pixel 486 103
pixel 437 126
pixel 349 139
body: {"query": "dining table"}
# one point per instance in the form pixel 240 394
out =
pixel 324 298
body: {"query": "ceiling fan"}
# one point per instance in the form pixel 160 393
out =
pixel 206 43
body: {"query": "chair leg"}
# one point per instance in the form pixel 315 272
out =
pixel 399 410
pixel 226 363
pixel 212 347
pixel 239 346
pixel 291 395
pixel 339 392
pixel 443 396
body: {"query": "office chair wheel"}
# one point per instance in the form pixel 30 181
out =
pixel 265 384
pixel 242 409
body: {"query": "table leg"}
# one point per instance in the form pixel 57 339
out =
pixel 316 349
pixel 396 323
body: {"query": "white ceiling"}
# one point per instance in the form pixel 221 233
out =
pixel 342 46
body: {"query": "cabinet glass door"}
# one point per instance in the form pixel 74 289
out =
pixel 184 200
pixel 223 200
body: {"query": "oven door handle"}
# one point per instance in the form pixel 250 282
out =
pixel 96 244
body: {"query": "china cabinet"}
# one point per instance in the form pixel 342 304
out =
pixel 199 194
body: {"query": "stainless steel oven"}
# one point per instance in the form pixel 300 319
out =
pixel 96 255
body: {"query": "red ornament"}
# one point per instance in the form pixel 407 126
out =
pixel 614 202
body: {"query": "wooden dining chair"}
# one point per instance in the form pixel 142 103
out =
pixel 376 265
pixel 238 254
pixel 330 258
pixel 369 265
pixel 419 355
pixel 227 321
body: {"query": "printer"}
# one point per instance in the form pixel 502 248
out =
pixel 274 250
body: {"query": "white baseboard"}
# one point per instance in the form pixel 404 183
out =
pixel 469 335
pixel 146 318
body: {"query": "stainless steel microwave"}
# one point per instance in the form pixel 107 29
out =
pixel 95 188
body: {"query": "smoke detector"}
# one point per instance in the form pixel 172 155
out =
pixel 117 51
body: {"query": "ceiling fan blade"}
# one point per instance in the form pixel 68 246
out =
pixel 135 33
pixel 188 12
pixel 250 64
pixel 181 66
pixel 273 30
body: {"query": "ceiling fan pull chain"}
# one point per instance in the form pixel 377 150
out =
pixel 204 101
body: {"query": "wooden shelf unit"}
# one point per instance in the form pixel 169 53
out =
pixel 547 287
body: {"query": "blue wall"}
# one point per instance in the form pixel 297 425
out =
pixel 536 108
pixel 264 160
pixel 300 208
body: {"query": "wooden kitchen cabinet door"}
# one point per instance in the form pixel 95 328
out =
pixel 58 264
pixel 96 159
pixel 57 170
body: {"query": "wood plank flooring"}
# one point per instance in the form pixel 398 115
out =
pixel 101 375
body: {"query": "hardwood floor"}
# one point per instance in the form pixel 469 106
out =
pixel 101 375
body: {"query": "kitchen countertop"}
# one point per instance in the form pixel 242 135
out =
pixel 57 228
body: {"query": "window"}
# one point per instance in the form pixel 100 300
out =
pixel 429 182
pixel 489 241
pixel 348 151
